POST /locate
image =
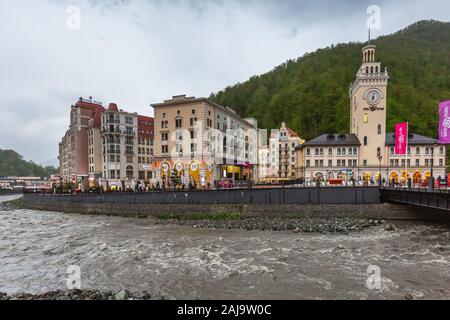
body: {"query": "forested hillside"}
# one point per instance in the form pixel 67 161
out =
pixel 311 93
pixel 12 164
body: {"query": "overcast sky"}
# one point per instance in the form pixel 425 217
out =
pixel 140 52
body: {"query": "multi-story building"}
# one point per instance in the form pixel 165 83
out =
pixel 367 153
pixel 264 162
pixel 120 147
pixel 145 148
pixel 106 147
pixel 282 151
pixel 73 148
pixel 203 142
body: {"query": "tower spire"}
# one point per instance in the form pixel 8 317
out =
pixel 369 35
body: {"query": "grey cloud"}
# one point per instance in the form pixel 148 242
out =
pixel 137 52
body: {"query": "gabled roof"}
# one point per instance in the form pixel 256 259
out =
pixel 413 140
pixel 334 140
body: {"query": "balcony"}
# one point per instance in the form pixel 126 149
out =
pixel 110 131
pixel 112 121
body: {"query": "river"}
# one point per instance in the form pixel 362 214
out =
pixel 178 262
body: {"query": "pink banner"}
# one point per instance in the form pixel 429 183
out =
pixel 444 122
pixel 401 138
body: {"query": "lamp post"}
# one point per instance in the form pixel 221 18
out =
pixel 380 158
pixel 432 167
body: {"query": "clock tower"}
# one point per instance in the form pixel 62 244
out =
pixel 368 95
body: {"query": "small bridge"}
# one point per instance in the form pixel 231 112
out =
pixel 437 199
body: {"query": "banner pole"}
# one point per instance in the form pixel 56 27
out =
pixel 407 146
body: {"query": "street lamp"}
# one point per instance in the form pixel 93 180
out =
pixel 380 158
pixel 432 167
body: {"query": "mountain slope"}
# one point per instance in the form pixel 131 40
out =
pixel 311 93
pixel 12 164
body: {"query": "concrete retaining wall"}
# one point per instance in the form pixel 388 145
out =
pixel 324 202
pixel 288 196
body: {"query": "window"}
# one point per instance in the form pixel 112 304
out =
pixel 417 150
pixel 365 163
pixel 321 163
pixel 366 118
pixel 308 151
pixel 427 150
pixel 379 129
pixel 417 162
pixel 330 163
pixel 330 152
pixel 339 163
pixel 441 162
pixel 344 151
pixel 339 151
pixel 112 174
pixel 130 172
pixel 164 136
pixel 164 124
pixel 316 151
pixel 178 123
pixel 427 162
pixel 321 151
pixel 441 150
pixel 396 162
pixel 378 152
pixel 317 163
pixel 128 120
pixel 165 149
pixel 392 162
pixel 355 151
pixel 392 150
pixel 193 111
pixel 365 141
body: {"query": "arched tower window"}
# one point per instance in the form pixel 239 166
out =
pixel 379 129
pixel 365 141
pixel 371 69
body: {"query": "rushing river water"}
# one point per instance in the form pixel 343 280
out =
pixel 36 248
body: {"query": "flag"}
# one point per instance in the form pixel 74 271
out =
pixel 444 122
pixel 401 138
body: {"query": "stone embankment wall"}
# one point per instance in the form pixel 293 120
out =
pixel 289 203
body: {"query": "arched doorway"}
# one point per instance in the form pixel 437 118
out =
pixel 405 176
pixel 417 178
pixel 393 177
pixel 319 176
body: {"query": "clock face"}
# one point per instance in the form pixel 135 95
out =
pixel 373 97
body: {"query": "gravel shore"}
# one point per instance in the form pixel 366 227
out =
pixel 305 225
pixel 297 225
pixel 81 295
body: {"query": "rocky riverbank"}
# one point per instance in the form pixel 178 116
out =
pixel 82 295
pixel 235 221
pixel 304 225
